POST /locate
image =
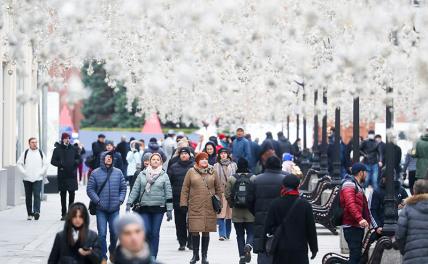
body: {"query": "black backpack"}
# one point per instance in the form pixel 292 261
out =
pixel 240 190
pixel 337 219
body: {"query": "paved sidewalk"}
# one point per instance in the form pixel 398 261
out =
pixel 23 241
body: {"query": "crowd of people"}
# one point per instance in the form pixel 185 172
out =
pixel 207 187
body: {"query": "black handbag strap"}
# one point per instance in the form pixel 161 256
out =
pixel 290 211
pixel 106 180
pixel 203 179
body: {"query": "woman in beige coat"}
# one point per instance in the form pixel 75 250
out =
pixel 225 168
pixel 200 183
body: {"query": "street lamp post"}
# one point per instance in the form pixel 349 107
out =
pixel 288 127
pixel 324 158
pixel 297 126
pixel 336 163
pixel 356 131
pixel 315 150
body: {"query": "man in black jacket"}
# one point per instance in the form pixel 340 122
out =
pixel 66 159
pixel 98 147
pixel 123 148
pixel 176 172
pixel 284 144
pixel 372 153
pixel 265 188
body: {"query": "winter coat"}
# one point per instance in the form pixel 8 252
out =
pixel 239 215
pixel 412 230
pixel 284 145
pixel 297 153
pixel 377 206
pixel 255 155
pixel 158 200
pixel 169 145
pixel 409 163
pixel 421 156
pixel 134 160
pixel 117 160
pixel 224 173
pixel 197 198
pixel 297 234
pixel 241 149
pixel 123 148
pixel 212 159
pixel 97 149
pixel 67 160
pixel 274 144
pixel 113 193
pixel 266 188
pixel 35 167
pixel 371 151
pixel 176 172
pixel 121 259
pixel 354 203
pixel 154 147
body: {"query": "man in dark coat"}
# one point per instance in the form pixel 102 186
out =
pixel 265 188
pixel 255 153
pixel 98 147
pixel 299 231
pixel 123 148
pixel 66 158
pixel 276 147
pixel 154 147
pixel 372 153
pixel 176 174
pixel 117 158
pixel 284 144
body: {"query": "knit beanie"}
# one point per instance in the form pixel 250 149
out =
pixel 273 163
pixel 201 156
pixel 156 154
pixel 130 218
pixel 291 181
pixel 185 150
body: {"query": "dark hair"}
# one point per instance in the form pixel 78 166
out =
pixel 223 150
pixel 31 138
pixel 378 136
pixel 240 129
pixel 242 166
pixel 273 163
pixel 213 145
pixel 248 136
pixel 101 136
pixel 421 186
pixel 68 226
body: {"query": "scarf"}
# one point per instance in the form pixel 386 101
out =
pixel 226 170
pixel 286 191
pixel 207 170
pixel 142 255
pixel 75 234
pixel 151 176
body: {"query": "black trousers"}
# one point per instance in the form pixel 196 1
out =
pixel 354 237
pixel 180 218
pixel 64 207
pixel 32 189
pixel 412 179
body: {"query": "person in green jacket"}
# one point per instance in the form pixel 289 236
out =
pixel 421 155
pixel 153 194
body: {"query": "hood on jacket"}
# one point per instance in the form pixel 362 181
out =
pixel 417 198
pixel 154 146
pixel 102 158
pixel 85 215
pixel 214 147
pixel 57 144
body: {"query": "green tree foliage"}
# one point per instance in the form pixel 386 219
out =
pixel 106 107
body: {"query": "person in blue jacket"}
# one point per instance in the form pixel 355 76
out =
pixel 241 146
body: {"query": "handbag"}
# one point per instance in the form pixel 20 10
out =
pixel 93 206
pixel 215 200
pixel 272 241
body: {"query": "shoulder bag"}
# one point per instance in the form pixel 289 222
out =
pixel 272 242
pixel 214 199
pixel 92 206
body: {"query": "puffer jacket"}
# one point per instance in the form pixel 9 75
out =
pixel 159 197
pixel 113 193
pixel 176 174
pixel 371 151
pixel 354 203
pixel 421 156
pixel 266 188
pixel 412 230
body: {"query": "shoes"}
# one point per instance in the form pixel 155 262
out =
pixel 222 238
pixel 30 217
pixel 205 243
pixel 36 216
pixel 247 249
pixel 182 248
pixel 242 260
pixel 63 218
pixel 195 241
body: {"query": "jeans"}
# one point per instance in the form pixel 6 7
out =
pixel 354 237
pixel 241 229
pixel 263 258
pixel 64 201
pixel 153 222
pixel 32 189
pixel 372 177
pixel 180 218
pixel 102 219
pixel 224 227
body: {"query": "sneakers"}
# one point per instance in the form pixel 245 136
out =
pixel 63 218
pixel 222 238
pixel 247 249
pixel 36 216
pixel 242 260
pixel 30 217
pixel 182 248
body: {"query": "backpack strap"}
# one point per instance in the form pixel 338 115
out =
pixel 26 153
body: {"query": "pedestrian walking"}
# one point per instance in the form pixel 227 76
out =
pixel 356 215
pixel 117 158
pixel 241 146
pixel 210 149
pixel 372 153
pixel 284 144
pixel 76 243
pixel 98 147
pixel 152 192
pixel 296 221
pixel 225 168
pixel 409 169
pixel 154 147
pixel 421 155
pixel 236 192
pixel 107 199
pixel 176 172
pixel 81 151
pixel 66 159
pixel 266 188
pixel 133 248
pixel 289 167
pixel 276 146
pixel 297 151
pixel 412 230
pixel 33 165
pixel 200 184
pixel 255 153
pixel 122 148
pixel 169 145
pixel 133 159
pixel 182 143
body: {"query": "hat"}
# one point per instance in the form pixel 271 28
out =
pixel 185 150
pixel 200 156
pixel 242 166
pixel 130 218
pixel 287 157
pixel 357 167
pixel 224 150
pixel 221 136
pixel 108 153
pixel 156 154
pixel 64 136
pixel 273 163
pixel 147 156
pixel 101 136
pixel 153 140
pixel 109 142
pixel 291 181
